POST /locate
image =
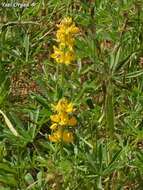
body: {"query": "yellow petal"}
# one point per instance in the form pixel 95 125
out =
pixel 69 108
pixel 54 126
pixel 67 137
pixel 63 118
pixel 56 136
pixel 53 138
pixel 55 118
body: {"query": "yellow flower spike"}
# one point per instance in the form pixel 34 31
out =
pixel 72 121
pixel 62 120
pixel 54 126
pixel 64 53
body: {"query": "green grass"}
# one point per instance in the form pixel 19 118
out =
pixel 104 83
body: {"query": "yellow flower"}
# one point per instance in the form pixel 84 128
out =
pixel 57 55
pixel 72 121
pixel 56 136
pixel 68 57
pixel 60 135
pixel 60 105
pixel 63 56
pixel 65 21
pixel 65 39
pixel 67 137
pixel 61 120
pixel 69 108
pixel 66 32
pixel 64 53
pixel 54 126
pixel 64 119
pixel 55 118
pixel 64 106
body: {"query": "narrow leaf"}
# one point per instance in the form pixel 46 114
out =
pixel 9 124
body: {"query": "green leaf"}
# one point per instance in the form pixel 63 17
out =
pixel 26 46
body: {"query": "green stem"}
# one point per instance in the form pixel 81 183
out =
pixel 109 109
pixel 62 75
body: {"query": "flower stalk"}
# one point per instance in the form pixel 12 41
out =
pixel 109 110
